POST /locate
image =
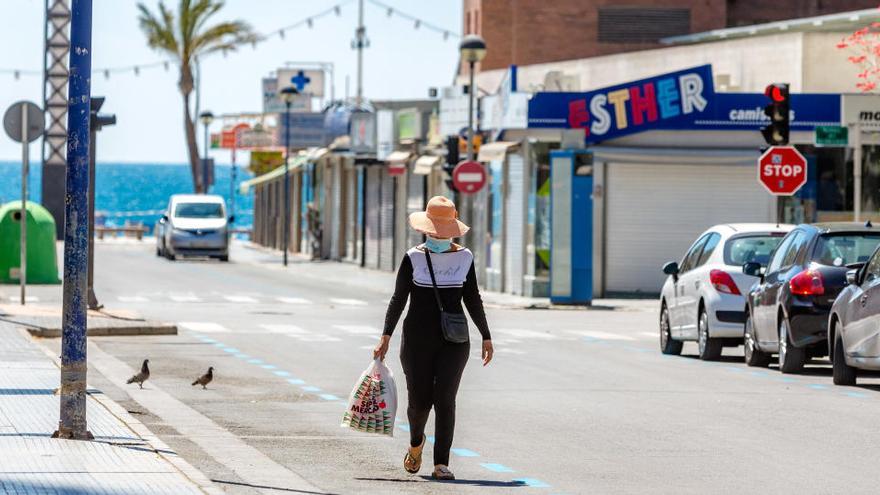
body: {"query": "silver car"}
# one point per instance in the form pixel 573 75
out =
pixel 193 225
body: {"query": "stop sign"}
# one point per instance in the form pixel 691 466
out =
pixel 782 170
pixel 469 177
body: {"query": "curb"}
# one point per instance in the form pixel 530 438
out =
pixel 145 329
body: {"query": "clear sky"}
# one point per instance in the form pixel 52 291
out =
pixel 401 62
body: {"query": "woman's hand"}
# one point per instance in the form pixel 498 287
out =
pixel 488 351
pixel 382 348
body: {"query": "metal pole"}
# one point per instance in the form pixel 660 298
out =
pixel 360 35
pixel 232 185
pixel 25 144
pixel 470 129
pixel 857 173
pixel 205 161
pixel 286 183
pixel 93 134
pixel 72 423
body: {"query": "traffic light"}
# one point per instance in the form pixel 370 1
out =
pixel 452 158
pixel 776 133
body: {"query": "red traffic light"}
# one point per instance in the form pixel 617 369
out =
pixel 777 92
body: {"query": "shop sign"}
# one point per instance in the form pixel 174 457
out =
pixel 306 81
pixel 862 110
pixel 363 132
pixel 504 111
pixel 453 111
pixel 745 111
pixel 832 135
pixel 256 138
pixel 265 161
pixel 409 124
pixel 638 106
pixel 306 130
pixel 384 133
pixel 272 102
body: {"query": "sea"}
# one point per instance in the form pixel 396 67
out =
pixel 135 192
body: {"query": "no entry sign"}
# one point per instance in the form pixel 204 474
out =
pixel 469 177
pixel 782 170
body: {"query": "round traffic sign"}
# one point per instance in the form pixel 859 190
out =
pixel 782 170
pixel 13 119
pixel 469 177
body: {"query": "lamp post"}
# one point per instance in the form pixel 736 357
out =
pixel 472 49
pixel 287 94
pixel 206 117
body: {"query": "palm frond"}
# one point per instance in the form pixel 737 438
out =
pixel 159 29
pixel 224 36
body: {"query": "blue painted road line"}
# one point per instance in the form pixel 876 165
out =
pixel 732 368
pixel 282 373
pixel 858 395
pixel 268 366
pixel 219 344
pixel 329 397
pixel 786 379
pixel 404 427
pixel 242 356
pixel 430 438
pixel 295 381
pixel 816 386
pixel 311 388
pixel 465 453
pixel 497 468
pixel 255 361
pixel 532 482
pixel 231 350
pixel 762 374
pixel 207 340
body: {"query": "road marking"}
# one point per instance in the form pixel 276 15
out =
pixel 241 299
pixel 132 299
pixel 359 329
pixel 255 361
pixel 293 300
pixel 296 381
pixel 465 453
pixel 203 326
pixel 600 335
pixel 857 395
pixel 310 388
pixel 497 468
pixel 347 302
pixel 526 334
pixel 282 373
pixel 404 427
pixel 184 298
pixel 284 329
pixel 817 386
pixel 329 397
pixel 532 482
pixel 504 350
pixel 316 337
pixel 653 335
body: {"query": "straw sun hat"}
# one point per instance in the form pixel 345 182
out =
pixel 439 220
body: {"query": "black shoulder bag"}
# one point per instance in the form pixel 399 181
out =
pixel 454 325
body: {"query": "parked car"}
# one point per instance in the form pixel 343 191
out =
pixel 193 225
pixel 854 325
pixel 787 311
pixel 702 298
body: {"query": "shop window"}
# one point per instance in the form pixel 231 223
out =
pixel 635 24
pixel 542 207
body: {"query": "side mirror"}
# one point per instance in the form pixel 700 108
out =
pixel 164 217
pixel 671 268
pixel 231 218
pixel 753 268
pixel 852 277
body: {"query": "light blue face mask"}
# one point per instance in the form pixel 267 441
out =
pixel 438 245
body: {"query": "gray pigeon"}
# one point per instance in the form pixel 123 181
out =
pixel 205 379
pixel 141 377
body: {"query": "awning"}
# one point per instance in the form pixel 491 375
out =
pixel 676 156
pixel 494 151
pixel 294 163
pixel 315 154
pixel 425 164
pixel 398 156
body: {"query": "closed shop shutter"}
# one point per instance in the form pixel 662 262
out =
pixel 514 222
pixel 371 214
pixel 351 219
pixel 336 234
pixel 386 222
pixel 415 201
pixel 654 212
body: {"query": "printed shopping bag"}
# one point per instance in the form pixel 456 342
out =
pixel 373 401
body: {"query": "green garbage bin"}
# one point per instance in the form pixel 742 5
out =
pixel 42 263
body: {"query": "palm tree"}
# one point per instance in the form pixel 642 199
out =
pixel 185 37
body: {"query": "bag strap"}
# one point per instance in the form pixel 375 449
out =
pixel 434 281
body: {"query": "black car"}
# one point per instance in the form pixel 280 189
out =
pixel 787 310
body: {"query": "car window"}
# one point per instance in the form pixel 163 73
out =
pixel 751 248
pixel 711 244
pixel 845 248
pixel 690 258
pixel 776 259
pixel 198 210
pixel 872 271
pixel 796 246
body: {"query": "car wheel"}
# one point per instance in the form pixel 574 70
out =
pixel 842 373
pixel 754 356
pixel 223 258
pixel 158 251
pixel 710 349
pixel 169 255
pixel 791 358
pixel 668 345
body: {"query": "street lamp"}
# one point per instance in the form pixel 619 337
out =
pixel 472 49
pixel 206 117
pixel 288 94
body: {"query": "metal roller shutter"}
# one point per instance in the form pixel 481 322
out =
pixel 655 211
pixel 386 222
pixel 371 214
pixel 415 201
pixel 514 221
pixel 336 233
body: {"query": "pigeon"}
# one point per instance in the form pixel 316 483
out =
pixel 141 377
pixel 205 379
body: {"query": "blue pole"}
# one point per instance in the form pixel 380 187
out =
pixel 286 182
pixel 76 228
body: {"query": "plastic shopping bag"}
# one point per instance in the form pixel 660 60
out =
pixel 373 401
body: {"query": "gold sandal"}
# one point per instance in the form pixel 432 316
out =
pixel 442 473
pixel 412 463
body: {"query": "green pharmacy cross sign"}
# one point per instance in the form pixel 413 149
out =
pixel 832 135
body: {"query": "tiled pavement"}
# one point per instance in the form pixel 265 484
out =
pixel 124 458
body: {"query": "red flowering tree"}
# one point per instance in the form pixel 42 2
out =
pixel 864 48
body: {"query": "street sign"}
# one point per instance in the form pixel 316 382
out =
pixel 306 81
pixel 832 135
pixel 469 177
pixel 13 120
pixel 782 170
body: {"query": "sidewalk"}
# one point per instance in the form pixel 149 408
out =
pixel 124 458
pixel 45 321
pixel 351 275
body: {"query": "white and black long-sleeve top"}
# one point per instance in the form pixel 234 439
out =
pixel 456 282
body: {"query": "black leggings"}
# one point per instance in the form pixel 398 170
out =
pixel 433 371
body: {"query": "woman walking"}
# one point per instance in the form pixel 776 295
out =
pixel 436 276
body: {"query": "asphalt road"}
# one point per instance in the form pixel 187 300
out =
pixel 575 401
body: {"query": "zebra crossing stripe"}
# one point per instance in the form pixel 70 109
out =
pixel 347 302
pixel 181 298
pixel 241 299
pixel 293 300
pixel 203 326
